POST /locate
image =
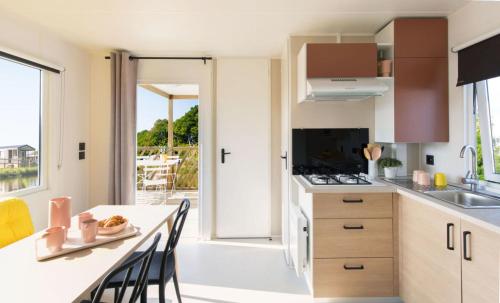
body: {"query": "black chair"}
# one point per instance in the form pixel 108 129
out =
pixel 140 264
pixel 163 262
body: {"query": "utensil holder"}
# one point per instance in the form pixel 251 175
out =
pixel 372 169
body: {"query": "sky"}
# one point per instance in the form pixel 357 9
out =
pixel 19 104
pixel 151 107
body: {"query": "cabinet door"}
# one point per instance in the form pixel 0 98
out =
pixel 421 100
pixel 480 264
pixel 331 60
pixel 429 268
pixel 421 38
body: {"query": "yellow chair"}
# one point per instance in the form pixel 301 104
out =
pixel 15 221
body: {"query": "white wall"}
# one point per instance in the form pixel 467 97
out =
pixel 469 22
pixel 72 178
pixel 276 147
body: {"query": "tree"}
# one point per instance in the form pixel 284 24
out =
pixel 186 128
pixel 185 131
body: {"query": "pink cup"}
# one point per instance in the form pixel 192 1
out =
pixel 89 230
pixel 424 179
pixel 415 175
pixel 54 238
pixel 84 217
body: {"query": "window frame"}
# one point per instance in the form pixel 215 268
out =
pixel 43 137
pixel 483 106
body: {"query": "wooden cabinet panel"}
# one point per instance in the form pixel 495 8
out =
pixel 480 275
pixel 421 38
pixel 340 238
pixel 333 60
pixel 421 100
pixel 429 271
pixel 352 205
pixel 353 277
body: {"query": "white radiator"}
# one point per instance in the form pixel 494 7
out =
pixel 298 239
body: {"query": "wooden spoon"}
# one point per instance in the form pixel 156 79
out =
pixel 367 153
pixel 376 153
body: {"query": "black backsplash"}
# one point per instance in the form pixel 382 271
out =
pixel 329 150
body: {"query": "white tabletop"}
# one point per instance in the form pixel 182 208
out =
pixel 66 278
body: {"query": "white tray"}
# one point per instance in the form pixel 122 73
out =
pixel 74 242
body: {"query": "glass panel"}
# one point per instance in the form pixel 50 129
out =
pixel 20 94
pixel 494 105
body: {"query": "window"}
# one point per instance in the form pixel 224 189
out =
pixel 488 128
pixel 20 126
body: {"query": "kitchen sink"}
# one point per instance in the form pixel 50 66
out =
pixel 465 199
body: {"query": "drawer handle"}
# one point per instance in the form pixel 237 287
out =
pixel 360 226
pixel 450 227
pixel 467 249
pixel 353 267
pixel 352 200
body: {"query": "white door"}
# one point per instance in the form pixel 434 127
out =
pixel 285 154
pixel 243 207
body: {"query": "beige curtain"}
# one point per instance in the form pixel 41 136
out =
pixel 123 100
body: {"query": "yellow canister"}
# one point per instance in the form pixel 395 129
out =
pixel 440 179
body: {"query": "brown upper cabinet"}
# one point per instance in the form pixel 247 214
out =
pixel 415 109
pixel 421 38
pixel 337 60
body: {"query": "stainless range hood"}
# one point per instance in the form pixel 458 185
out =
pixel 343 89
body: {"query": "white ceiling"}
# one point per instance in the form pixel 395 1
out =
pixel 178 89
pixel 213 27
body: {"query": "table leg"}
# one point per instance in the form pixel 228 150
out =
pixel 170 225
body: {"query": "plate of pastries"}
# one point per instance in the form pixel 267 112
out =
pixel 112 225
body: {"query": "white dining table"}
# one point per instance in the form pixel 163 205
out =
pixel 70 277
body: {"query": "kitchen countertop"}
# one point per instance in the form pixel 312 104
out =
pixel 375 187
pixel 486 218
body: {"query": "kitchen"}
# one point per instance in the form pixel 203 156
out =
pixel 348 151
pixel 356 235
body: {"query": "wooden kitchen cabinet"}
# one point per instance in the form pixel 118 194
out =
pixel 363 277
pixel 421 99
pixel 352 245
pixel 480 274
pixel 420 38
pixel 429 254
pixel 415 108
pixel 338 60
pixel 338 238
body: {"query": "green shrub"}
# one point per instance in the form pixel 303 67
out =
pixel 389 162
pixel 17 172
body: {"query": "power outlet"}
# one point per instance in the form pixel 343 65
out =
pixel 429 159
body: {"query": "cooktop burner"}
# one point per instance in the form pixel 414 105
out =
pixel 337 179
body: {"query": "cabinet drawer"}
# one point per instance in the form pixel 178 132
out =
pixel 340 238
pixel 353 277
pixel 352 205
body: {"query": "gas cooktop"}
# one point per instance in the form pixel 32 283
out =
pixel 337 179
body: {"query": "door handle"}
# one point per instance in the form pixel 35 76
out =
pixel 450 227
pixel 360 226
pixel 223 154
pixel 467 235
pixel 285 157
pixel 352 200
pixel 353 267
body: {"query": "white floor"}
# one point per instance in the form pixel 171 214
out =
pixel 230 271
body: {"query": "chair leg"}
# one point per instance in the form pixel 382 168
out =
pixel 144 295
pixel 176 284
pixel 117 293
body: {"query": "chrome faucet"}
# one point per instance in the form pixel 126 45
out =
pixel 471 177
